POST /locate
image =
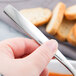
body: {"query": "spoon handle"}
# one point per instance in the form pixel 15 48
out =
pixel 1 75
pixel 62 59
pixel 35 33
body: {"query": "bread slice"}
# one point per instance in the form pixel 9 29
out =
pixel 57 18
pixel 38 16
pixel 70 13
pixel 64 29
pixel 71 39
pixel 74 30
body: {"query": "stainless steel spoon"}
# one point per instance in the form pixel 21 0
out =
pixel 36 34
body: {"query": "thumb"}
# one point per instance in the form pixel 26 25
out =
pixel 42 56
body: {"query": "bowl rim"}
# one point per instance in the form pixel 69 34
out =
pixel 56 61
pixel 56 64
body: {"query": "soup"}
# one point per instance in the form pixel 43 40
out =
pixel 56 74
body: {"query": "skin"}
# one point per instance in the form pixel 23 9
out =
pixel 24 57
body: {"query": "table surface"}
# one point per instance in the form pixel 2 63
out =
pixel 8 28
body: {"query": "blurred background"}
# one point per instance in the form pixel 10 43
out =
pixel 9 30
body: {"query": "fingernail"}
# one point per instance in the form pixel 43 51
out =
pixel 52 45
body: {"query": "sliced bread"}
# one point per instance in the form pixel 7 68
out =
pixel 71 39
pixel 74 30
pixel 38 16
pixel 57 18
pixel 70 12
pixel 64 29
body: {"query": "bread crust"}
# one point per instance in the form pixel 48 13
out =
pixel 71 39
pixel 38 16
pixel 57 18
pixel 64 29
pixel 60 37
pixel 74 30
pixel 69 14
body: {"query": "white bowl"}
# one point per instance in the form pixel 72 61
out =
pixel 56 67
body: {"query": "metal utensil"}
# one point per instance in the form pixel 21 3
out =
pixel 1 74
pixel 36 34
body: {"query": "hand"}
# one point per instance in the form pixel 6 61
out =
pixel 24 57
